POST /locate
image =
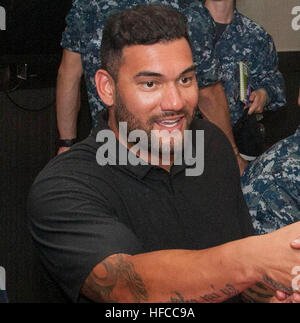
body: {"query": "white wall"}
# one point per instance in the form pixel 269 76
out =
pixel 281 18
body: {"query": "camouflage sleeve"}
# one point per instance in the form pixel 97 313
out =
pixel 201 32
pixel 265 73
pixel 271 186
pixel 71 35
pixel 277 208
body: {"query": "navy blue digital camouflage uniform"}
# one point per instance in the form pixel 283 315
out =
pixel 83 35
pixel 271 186
pixel 244 40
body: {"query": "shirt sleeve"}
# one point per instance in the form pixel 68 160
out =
pixel 201 32
pixel 271 186
pixel 277 208
pixel 71 35
pixel 74 228
pixel 265 73
pixel 272 203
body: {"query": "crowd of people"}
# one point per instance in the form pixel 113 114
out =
pixel 109 231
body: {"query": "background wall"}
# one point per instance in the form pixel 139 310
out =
pixel 281 18
pixel 27 143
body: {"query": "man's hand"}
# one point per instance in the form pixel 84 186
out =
pixel 278 267
pixel 281 297
pixel 62 150
pixel 259 100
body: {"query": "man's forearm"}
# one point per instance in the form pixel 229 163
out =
pixel 67 106
pixel 258 293
pixel 211 275
pixel 68 94
pixel 213 106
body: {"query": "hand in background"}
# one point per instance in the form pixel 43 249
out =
pixel 259 100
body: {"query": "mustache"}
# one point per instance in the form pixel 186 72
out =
pixel 181 113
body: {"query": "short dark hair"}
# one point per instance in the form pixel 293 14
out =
pixel 140 25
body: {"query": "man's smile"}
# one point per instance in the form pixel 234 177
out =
pixel 170 123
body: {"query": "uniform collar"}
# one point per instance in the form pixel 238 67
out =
pixel 235 19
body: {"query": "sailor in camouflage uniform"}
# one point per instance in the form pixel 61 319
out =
pixel 83 35
pixel 271 186
pixel 244 40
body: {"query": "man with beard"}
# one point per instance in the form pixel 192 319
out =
pixel 81 43
pixel 149 233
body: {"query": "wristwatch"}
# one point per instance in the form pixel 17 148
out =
pixel 66 142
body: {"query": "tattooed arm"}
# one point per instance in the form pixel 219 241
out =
pixel 154 277
pixel 209 275
pixel 258 293
pixel 115 272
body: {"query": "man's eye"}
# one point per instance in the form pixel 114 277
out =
pixel 186 80
pixel 149 84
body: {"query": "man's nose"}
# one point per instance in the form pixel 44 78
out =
pixel 172 98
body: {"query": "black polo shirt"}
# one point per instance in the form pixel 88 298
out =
pixel 81 213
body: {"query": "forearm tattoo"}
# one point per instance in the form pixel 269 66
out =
pixel 276 286
pixel 178 298
pixel 258 293
pixel 215 296
pixel 122 273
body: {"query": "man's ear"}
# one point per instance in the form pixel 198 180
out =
pixel 105 87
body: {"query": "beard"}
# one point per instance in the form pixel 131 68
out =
pixel 122 114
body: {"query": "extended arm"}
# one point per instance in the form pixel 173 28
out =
pixel 214 107
pixel 68 95
pixel 169 276
pixel 210 275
